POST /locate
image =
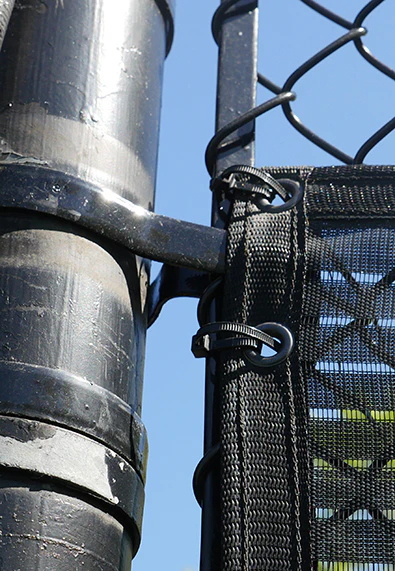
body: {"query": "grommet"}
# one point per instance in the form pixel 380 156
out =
pixel 293 189
pixel 286 345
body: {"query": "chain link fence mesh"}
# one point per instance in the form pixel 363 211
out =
pixel 351 32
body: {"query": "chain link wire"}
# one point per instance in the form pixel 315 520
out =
pixel 284 95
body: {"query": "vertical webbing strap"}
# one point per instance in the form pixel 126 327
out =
pixel 264 467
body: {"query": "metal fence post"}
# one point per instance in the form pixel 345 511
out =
pixel 235 29
pixel 80 90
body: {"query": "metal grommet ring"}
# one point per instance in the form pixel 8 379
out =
pixel 294 189
pixel 283 335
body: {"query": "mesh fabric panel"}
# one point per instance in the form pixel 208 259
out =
pixel 308 459
pixel 347 347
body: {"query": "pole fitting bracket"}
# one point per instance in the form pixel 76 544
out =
pixel 146 234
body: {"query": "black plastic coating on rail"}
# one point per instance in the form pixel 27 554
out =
pixel 146 234
pixel 235 28
pixel 235 25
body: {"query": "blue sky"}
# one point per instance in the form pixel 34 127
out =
pixel 345 100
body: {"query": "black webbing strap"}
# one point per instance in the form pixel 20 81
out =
pixel 264 411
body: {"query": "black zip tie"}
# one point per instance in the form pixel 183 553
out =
pixel 244 181
pixel 233 335
pixel 241 178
